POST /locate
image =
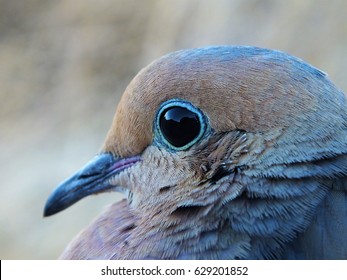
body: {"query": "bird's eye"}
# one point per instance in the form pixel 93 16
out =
pixel 180 124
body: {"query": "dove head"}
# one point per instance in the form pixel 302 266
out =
pixel 205 138
pixel 235 88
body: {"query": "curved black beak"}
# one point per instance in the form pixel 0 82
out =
pixel 91 179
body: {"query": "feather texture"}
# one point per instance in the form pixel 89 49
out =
pixel 265 177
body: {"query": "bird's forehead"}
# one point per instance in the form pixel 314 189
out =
pixel 236 87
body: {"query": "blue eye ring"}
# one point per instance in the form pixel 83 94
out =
pixel 159 136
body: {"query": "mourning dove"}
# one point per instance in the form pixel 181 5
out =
pixel 225 152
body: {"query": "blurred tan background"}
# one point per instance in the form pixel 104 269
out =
pixel 64 65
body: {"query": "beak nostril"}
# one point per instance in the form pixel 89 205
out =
pixel 93 178
pixel 85 176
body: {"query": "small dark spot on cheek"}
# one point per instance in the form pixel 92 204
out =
pixel 188 210
pixel 221 172
pixel 130 198
pixel 128 228
pixel 166 189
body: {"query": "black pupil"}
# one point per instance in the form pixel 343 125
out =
pixel 179 126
